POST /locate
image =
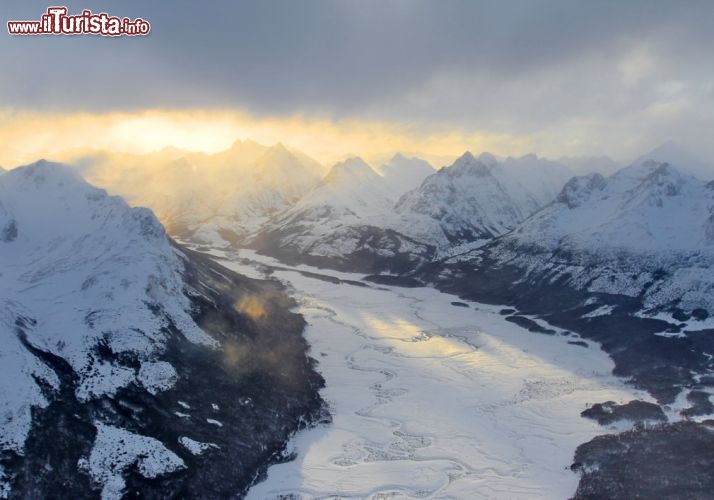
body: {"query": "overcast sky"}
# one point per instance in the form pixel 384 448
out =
pixel 593 76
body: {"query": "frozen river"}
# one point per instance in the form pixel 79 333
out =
pixel 434 400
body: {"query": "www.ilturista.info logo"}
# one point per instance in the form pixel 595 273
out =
pixel 57 22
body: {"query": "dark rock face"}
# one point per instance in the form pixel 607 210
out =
pixel 701 404
pixel 658 364
pixel 261 386
pixel 670 461
pixel 579 343
pixel 530 325
pixel 393 280
pixel 635 411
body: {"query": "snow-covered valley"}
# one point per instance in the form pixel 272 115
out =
pixel 434 398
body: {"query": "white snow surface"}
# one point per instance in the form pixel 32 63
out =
pixel 117 449
pixel 78 270
pixel 195 447
pixel 435 401
pixel 651 207
pixel 617 234
pixel 157 376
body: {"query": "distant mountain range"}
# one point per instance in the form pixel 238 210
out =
pixel 209 197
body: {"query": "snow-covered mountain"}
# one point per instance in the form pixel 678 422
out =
pixel 272 183
pixel 646 219
pixel 627 260
pixel 354 217
pixel 352 190
pixel 477 199
pixel 210 198
pixel 124 357
pixel 340 223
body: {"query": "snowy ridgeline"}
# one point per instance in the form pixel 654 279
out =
pixel 83 274
pixel 652 222
pixel 647 229
pixel 280 201
pixel 475 198
pixel 204 196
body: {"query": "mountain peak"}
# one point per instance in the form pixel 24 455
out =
pixel 465 158
pixel 404 164
pixel 244 149
pixel 349 170
pixel 279 147
pixel 467 164
pixel 42 170
pixel 279 151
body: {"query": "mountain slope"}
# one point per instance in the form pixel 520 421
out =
pixel 626 260
pixel 338 224
pixel 656 216
pixel 131 355
pixel 477 199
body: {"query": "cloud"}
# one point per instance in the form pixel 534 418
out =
pixel 27 136
pixel 513 67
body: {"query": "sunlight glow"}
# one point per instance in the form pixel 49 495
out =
pixel 252 306
pixel 28 136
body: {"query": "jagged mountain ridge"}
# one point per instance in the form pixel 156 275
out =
pixel 340 222
pixel 210 197
pixel 477 199
pixel 649 218
pixel 144 364
pixel 625 260
pixel 356 218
